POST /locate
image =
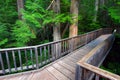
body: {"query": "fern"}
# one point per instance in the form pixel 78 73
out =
pixel 22 33
pixel 35 17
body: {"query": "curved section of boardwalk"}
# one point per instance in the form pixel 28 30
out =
pixel 61 69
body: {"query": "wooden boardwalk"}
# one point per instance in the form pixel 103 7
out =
pixel 61 69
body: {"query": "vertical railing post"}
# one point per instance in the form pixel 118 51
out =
pixel 36 57
pixel 72 44
pixel 14 59
pixel 86 38
pixel 45 54
pixel 26 58
pixel 41 61
pixel 97 77
pixel 20 59
pixel 31 56
pixel 48 47
pixel 79 73
pixel 2 65
pixel 8 62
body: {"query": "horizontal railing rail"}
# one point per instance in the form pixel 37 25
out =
pixel 33 57
pixel 87 67
pixel 99 73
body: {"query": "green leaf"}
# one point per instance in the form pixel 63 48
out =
pixel 3 41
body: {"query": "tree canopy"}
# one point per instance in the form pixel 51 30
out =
pixel 38 19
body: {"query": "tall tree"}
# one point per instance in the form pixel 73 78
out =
pixel 56 28
pixel 96 10
pixel 74 11
pixel 20 5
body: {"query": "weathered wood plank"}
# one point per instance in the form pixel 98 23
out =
pixel 73 59
pixel 77 56
pixel 25 77
pixel 57 74
pixel 64 71
pixel 69 62
pixel 71 68
pixel 15 78
pixel 100 72
pixel 43 75
pixel 94 58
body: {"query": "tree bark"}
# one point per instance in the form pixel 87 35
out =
pixel 74 11
pixel 20 5
pixel 56 30
pixel 96 10
pixel 65 29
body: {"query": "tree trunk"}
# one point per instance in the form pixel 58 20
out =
pixel 56 32
pixel 20 5
pixel 56 29
pixel 73 30
pixel 102 2
pixel 96 10
pixel 65 29
pixel 74 11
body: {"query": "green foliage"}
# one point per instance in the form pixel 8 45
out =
pixel 45 41
pixel 87 14
pixel 8 15
pixel 8 12
pixel 117 35
pixel 22 33
pixel 94 26
pixel 3 34
pixel 35 17
pixel 113 67
pixel 65 6
pixel 39 16
pixel 115 13
pixel 87 9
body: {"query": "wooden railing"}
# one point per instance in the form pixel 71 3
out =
pixel 34 57
pixel 87 67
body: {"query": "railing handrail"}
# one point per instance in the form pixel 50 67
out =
pixel 84 64
pixel 16 59
pixel 27 47
pixel 91 53
pixel 99 71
